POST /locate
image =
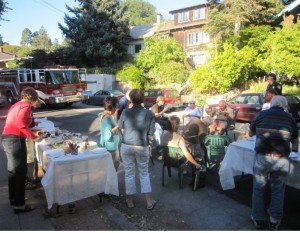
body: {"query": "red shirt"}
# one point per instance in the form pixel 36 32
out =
pixel 18 120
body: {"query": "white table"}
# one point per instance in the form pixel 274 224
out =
pixel 73 177
pixel 239 158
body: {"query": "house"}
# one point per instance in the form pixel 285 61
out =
pixel 187 29
pixel 5 57
pixel 138 33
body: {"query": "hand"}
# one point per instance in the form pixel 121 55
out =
pixel 198 166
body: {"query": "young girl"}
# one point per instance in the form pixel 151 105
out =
pixel 109 129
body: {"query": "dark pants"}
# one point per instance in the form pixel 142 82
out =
pixel 16 153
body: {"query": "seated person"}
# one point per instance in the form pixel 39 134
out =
pixel 222 115
pixel 194 133
pixel 159 110
pixel 171 137
pixel 268 95
pixel 191 111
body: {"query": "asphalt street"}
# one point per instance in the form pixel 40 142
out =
pixel 208 208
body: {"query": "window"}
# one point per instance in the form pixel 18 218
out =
pixel 198 59
pixel 183 17
pixel 137 48
pixel 199 13
pixel 198 38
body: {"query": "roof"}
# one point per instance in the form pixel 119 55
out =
pixel 188 7
pixel 6 56
pixel 170 26
pixel 293 7
pixel 142 31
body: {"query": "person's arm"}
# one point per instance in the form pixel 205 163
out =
pixel 252 127
pixel 22 122
pixel 186 153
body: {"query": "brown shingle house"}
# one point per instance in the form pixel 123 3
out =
pixel 5 57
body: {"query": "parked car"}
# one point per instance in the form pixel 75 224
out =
pixel 171 96
pixel 86 95
pixel 248 104
pixel 99 96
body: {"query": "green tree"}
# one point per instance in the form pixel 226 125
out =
pixel 158 52
pixel 55 45
pixel 3 8
pixel 41 40
pixel 26 37
pixel 134 75
pixel 226 70
pixel 98 31
pixel 283 51
pixel 139 11
pixel 227 18
pixel 172 72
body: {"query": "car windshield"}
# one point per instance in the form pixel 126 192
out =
pixel 116 92
pixel 292 99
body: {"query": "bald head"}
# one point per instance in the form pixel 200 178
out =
pixel 222 104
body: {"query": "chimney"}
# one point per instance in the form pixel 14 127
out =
pixel 158 19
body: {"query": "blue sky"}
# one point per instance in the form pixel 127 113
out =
pixel 33 14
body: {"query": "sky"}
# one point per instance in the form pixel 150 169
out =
pixel 34 14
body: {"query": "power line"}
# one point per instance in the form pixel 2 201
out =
pixel 54 7
pixel 44 5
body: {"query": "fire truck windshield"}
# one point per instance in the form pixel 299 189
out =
pixel 62 76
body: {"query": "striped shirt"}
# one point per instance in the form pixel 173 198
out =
pixel 274 129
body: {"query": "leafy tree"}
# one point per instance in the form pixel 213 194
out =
pixel 41 40
pixel 26 37
pixel 140 12
pixel 97 32
pixel 55 45
pixel 227 18
pixel 172 72
pixel 158 52
pixel 132 74
pixel 226 70
pixel 283 51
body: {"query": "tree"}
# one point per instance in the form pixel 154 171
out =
pixel 3 8
pixel 283 51
pixel 158 52
pixel 98 31
pixel 55 45
pixel 172 72
pixel 227 18
pixel 140 12
pixel 41 40
pixel 26 37
pixel 132 74
pixel 226 70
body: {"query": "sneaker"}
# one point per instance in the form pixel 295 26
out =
pixel 259 224
pixel 274 226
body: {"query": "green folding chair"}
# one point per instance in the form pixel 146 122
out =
pixel 216 149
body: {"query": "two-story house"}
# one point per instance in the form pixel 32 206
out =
pixel 187 29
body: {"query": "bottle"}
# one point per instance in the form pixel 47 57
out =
pixel 86 143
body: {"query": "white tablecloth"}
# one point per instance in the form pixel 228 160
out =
pixel 73 177
pixel 239 158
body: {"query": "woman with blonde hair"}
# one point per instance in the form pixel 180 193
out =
pixel 16 130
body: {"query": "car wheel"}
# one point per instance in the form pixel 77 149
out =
pixel 88 102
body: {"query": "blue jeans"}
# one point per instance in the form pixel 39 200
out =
pixel 16 153
pixel 133 156
pixel 277 170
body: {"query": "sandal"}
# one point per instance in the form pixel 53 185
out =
pixel 26 208
pixel 129 204
pixel 151 207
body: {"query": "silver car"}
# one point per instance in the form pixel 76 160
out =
pixel 98 97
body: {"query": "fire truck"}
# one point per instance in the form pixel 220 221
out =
pixel 54 85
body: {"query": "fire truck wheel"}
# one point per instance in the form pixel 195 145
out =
pixel 9 98
pixel 68 104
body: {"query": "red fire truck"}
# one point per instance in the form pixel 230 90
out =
pixel 55 85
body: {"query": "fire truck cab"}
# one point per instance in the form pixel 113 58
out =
pixel 54 85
